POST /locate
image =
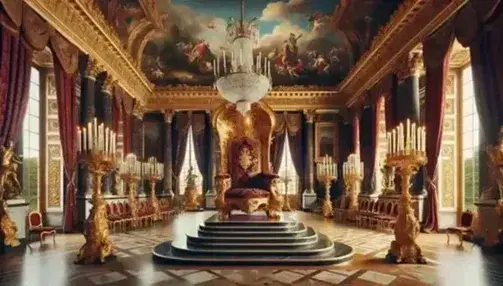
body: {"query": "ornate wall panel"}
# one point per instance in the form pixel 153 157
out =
pixel 54 156
pixel 448 159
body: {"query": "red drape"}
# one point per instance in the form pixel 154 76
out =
pixel 436 57
pixel 68 121
pixel 127 122
pixel 356 132
pixel 15 70
pixel 116 110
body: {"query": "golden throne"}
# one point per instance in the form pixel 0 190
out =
pixel 244 181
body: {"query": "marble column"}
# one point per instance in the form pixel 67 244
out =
pixel 138 140
pixel 106 105
pixel 87 113
pixel 309 196
pixel 168 153
pixel 407 104
pixel 356 131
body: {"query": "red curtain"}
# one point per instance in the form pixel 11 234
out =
pixel 68 121
pixel 127 122
pixel 436 50
pixel 116 110
pixel 356 132
pixel 15 70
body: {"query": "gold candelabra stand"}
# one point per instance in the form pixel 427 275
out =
pixel 404 248
pixel 153 180
pixel 353 183
pixel 327 208
pixel 132 180
pixel 286 206
pixel 98 246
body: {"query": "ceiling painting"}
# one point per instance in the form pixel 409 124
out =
pixel 297 36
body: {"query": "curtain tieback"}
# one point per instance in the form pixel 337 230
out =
pixel 431 182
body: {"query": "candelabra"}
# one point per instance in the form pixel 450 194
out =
pixel 406 152
pixel 286 207
pixel 153 172
pixel 326 171
pixel 352 172
pixel 96 149
pixel 130 172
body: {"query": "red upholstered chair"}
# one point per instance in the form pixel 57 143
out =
pixel 464 230
pixel 35 226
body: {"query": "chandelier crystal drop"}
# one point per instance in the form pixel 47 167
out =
pixel 243 79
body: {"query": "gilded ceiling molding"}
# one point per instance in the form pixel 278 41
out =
pixel 83 24
pixel 151 10
pixel 460 59
pixel 205 98
pixel 409 25
pixel 138 32
pixel 143 43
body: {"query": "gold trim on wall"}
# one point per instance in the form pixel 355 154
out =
pixel 409 25
pixel 317 136
pixel 83 24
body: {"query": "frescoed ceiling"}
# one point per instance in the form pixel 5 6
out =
pixel 309 42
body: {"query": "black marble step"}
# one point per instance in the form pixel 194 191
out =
pixel 255 220
pixel 309 236
pixel 165 254
pixel 248 228
pixel 321 247
pixel 300 230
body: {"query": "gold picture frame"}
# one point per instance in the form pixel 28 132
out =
pixel 326 138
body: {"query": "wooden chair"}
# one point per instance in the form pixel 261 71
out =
pixel 464 230
pixel 35 226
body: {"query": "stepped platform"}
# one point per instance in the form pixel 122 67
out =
pixel 253 240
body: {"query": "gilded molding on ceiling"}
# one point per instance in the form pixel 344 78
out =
pixel 205 98
pixel 409 25
pixel 82 23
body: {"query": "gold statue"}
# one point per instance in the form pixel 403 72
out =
pixel 388 181
pixel 9 184
pixel 191 194
pixel 8 181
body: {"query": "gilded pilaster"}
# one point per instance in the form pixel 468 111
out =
pixel 309 159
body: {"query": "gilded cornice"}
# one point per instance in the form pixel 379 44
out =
pixel 460 59
pixel 409 65
pixel 93 69
pixel 409 25
pixel 108 84
pixel 206 98
pixel 82 23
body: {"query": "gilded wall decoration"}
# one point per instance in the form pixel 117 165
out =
pixel 450 106
pixel 52 106
pixel 448 183
pixel 449 124
pixel 451 84
pixel 53 125
pixel 54 184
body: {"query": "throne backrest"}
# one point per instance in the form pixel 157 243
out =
pixel 244 160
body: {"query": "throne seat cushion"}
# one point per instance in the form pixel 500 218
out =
pixel 240 193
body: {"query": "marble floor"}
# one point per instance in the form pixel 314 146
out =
pixel 52 265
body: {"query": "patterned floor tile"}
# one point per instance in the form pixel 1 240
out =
pixel 107 278
pixel 377 277
pixel 305 271
pixel 287 277
pixel 181 272
pixel 330 277
pixel 200 277
pixel 141 250
pixel 150 277
pixel 344 272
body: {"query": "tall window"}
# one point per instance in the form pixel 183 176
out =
pixel 31 143
pixel 470 141
pixel 287 172
pixel 188 161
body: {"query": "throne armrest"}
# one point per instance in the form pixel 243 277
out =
pixel 262 181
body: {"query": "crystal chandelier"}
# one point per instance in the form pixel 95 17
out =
pixel 247 79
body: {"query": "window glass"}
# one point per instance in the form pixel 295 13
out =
pixel 188 161
pixel 31 143
pixel 287 172
pixel 470 141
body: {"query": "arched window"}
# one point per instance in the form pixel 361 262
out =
pixel 31 143
pixel 190 161
pixel 287 171
pixel 470 121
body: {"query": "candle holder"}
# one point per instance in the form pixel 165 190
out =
pixel 98 246
pixel 130 173
pixel 154 202
pixel 286 206
pixel 407 159
pixel 326 173
pixel 352 171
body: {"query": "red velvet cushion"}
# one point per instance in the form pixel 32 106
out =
pixel 246 193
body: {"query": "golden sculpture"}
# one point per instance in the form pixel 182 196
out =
pixel 98 246
pixel 8 185
pixel 353 183
pixel 154 202
pixel 327 207
pixel 132 185
pixel 388 181
pixel 244 179
pixel 191 192
pixel 404 248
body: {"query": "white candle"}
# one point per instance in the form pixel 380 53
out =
pixel 225 62
pixel 84 131
pixel 413 136
pixel 218 66
pixel 407 142
pixel 79 140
